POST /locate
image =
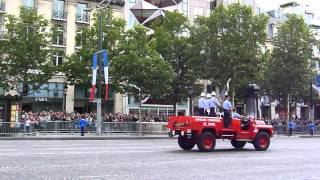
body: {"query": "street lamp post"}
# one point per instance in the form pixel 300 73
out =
pixel 99 116
pixel 65 89
pixel 311 111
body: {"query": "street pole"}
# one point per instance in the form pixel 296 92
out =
pixel 140 128
pixel 311 113
pixel 99 118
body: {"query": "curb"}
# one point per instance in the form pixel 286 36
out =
pixel 84 138
pixel 309 136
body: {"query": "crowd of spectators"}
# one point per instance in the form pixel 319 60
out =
pixel 41 117
pixel 296 121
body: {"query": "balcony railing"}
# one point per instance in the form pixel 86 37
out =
pixel 2 7
pixel 82 18
pixel 59 15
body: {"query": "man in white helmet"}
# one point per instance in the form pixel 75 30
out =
pixel 207 105
pixel 201 104
pixel 214 104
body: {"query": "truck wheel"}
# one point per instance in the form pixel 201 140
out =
pixel 206 142
pixel 185 143
pixel 238 144
pixel 262 141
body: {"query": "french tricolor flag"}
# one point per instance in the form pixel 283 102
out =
pixel 94 77
pixel 106 72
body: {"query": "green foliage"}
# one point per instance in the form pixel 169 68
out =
pixel 133 59
pixel 175 46
pixel 140 64
pixel 292 65
pixel 230 40
pixel 26 50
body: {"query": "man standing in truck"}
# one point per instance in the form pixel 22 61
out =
pixel 214 104
pixel 227 107
pixel 201 104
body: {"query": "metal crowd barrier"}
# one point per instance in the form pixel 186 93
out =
pixel 157 128
pixel 298 129
pixel 73 127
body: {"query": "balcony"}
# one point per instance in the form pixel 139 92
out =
pixel 59 42
pixel 59 15
pixel 2 7
pixel 82 18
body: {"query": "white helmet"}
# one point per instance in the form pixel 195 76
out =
pixel 208 95
pixel 203 94
pixel 213 93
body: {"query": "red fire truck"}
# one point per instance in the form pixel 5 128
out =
pixel 204 131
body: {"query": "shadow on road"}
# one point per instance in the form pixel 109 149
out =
pixel 195 150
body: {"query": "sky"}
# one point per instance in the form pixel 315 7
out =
pixel 274 4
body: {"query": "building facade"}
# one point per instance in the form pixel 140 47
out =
pixel 270 109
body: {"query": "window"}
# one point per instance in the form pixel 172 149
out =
pixel 57 59
pixel 213 5
pixel 52 89
pixel 132 1
pixel 58 38
pixel 78 33
pixel 248 2
pixel 184 6
pixel 82 14
pixel 2 6
pixel 258 10
pixel 198 11
pixel 58 9
pixel 28 3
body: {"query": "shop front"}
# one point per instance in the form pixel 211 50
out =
pixel 8 108
pixel 49 97
pixel 39 104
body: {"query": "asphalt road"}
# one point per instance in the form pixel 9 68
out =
pixel 287 158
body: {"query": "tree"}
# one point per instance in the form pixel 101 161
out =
pixel 141 65
pixel 230 40
pixel 77 68
pixel 173 42
pixel 26 50
pixel 291 66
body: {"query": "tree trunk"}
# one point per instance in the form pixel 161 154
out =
pixel 232 96
pixel 175 109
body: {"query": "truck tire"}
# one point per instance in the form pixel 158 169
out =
pixel 206 142
pixel 185 143
pixel 262 141
pixel 238 144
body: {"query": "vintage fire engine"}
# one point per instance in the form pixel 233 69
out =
pixel 204 131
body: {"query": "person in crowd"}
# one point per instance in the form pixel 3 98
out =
pixel 27 125
pixel 290 127
pixel 214 104
pixel 82 124
pixel 311 127
pixel 227 107
pixel 201 104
